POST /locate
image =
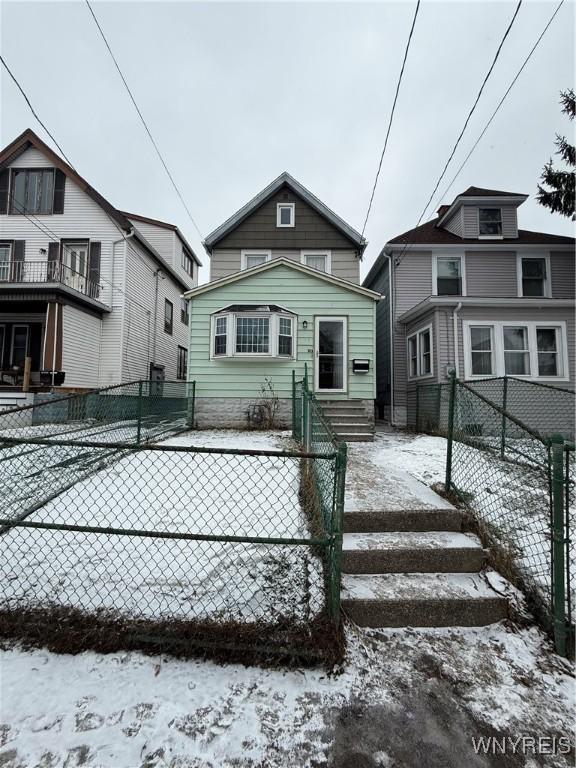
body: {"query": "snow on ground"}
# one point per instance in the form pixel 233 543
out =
pixel 514 498
pixel 394 472
pixel 209 494
pixel 407 698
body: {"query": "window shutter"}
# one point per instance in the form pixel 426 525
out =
pixel 59 183
pixel 17 259
pixel 94 271
pixel 53 259
pixel 4 183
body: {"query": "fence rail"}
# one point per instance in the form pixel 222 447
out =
pixel 111 537
pixel 520 487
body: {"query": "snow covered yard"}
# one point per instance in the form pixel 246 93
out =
pixel 176 492
pixel 404 698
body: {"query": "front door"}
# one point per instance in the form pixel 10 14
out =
pixel 330 359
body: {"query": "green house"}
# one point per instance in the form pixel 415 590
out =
pixel 284 296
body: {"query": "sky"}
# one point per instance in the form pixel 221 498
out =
pixel 236 93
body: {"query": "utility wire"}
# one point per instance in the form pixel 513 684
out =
pixel 472 110
pixel 141 116
pixel 506 33
pixel 391 117
pixel 7 68
pixel 502 100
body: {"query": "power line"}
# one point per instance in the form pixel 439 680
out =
pixel 502 100
pixel 391 117
pixel 472 110
pixel 7 68
pixel 141 116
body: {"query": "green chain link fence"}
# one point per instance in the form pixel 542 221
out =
pixel 520 488
pixel 546 409
pixel 117 532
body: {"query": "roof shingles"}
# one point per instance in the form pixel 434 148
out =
pixel 430 234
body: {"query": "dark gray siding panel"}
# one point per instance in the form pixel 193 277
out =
pixel 383 371
pixel 259 230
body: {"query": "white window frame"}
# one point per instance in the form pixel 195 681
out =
pixel 309 252
pixel 453 257
pixel 274 329
pixel 490 237
pixel 292 207
pixel 547 281
pixel 253 252
pixel 14 327
pixel 417 335
pixel 5 276
pixel 468 352
pixel 498 353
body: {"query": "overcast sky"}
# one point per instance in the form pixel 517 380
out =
pixel 236 93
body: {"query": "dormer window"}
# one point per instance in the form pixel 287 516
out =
pixel 285 214
pixel 490 222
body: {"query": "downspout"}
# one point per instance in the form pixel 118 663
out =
pixel 391 332
pixel 456 344
pixel 124 239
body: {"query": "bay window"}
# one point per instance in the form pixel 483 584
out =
pixel 246 331
pixel 526 349
pixel 420 353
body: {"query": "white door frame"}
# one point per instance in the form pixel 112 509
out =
pixel 332 319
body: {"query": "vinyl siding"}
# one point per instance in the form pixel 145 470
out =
pixel 169 246
pixel 302 294
pixel 455 224
pixel 80 347
pixel 427 319
pixel 143 335
pixel 226 261
pixel 259 230
pixel 381 284
pixel 509 219
pixel 562 267
pixel 491 273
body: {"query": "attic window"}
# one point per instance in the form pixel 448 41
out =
pixel 285 214
pixel 32 190
pixel 490 222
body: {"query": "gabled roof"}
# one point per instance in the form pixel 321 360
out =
pixel 29 139
pixel 163 225
pixel 274 264
pixel 285 179
pixel 430 234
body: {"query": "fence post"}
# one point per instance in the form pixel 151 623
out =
pixel 139 416
pixel 504 410
pixel 337 530
pixel 293 403
pixel 558 563
pixel 191 405
pixel 451 407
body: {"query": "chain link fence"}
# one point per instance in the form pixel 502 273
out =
pixel 545 409
pixel 114 536
pixel 520 488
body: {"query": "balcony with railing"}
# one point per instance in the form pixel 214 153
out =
pixel 42 272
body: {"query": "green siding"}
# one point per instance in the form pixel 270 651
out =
pixel 306 296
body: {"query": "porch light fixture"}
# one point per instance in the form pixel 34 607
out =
pixel 304 323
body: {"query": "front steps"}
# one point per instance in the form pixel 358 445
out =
pixel 350 419
pixel 415 568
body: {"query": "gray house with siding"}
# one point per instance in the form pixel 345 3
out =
pixel 471 292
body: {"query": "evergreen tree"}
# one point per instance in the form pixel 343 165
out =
pixel 559 196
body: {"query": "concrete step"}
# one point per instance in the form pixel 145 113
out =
pixel 412 552
pixel 357 426
pixel 421 600
pixel 349 418
pixel 403 520
pixel 356 437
